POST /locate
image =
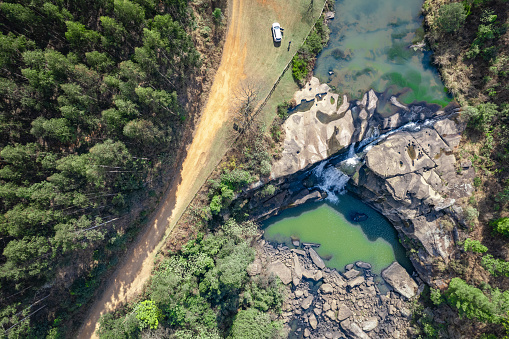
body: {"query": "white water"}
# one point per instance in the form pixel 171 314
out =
pixel 333 180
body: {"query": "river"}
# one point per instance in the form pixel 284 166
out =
pixel 369 47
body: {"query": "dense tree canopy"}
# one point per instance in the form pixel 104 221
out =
pixel 88 106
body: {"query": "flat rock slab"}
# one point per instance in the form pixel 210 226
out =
pixel 283 272
pixel 316 259
pixel 356 282
pixel 396 276
pixel 399 154
pixel 351 274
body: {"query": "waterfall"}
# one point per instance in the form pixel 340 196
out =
pixel 333 179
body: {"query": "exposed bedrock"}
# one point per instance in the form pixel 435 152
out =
pixel 412 176
pixel 328 127
pixel 414 180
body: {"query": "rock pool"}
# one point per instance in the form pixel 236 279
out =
pixel 342 240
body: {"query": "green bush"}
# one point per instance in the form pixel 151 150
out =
pixel 451 17
pixel 474 246
pixel 501 226
pixel 299 68
pixel 251 323
pixel 496 267
pixel 267 191
pixel 435 296
pixel 148 314
pixel 216 204
pixel 471 215
pixel 218 15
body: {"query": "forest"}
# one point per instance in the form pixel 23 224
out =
pixel 92 113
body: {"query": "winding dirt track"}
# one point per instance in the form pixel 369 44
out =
pixel 129 278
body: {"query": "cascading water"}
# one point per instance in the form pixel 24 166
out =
pixel 332 181
pixel 334 173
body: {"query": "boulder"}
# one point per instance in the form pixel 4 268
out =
pixel 308 274
pixel 313 196
pixel 353 330
pixel 363 265
pixel 255 267
pixel 283 272
pixel 348 267
pixel 316 259
pixel 344 313
pixel 356 281
pixel 351 274
pixel 312 321
pixel 327 288
pixel 307 332
pixel 396 276
pixel 318 275
pixel 370 324
pixel 331 314
pixel 307 302
pixel 297 269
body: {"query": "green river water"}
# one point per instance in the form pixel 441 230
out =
pixel 341 241
pixel 369 48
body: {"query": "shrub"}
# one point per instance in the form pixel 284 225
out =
pixel 496 267
pixel 451 17
pixel 471 215
pixel 252 323
pixel 268 190
pixel 474 246
pixel 218 15
pixel 299 68
pixel 501 226
pixel 216 204
pixel 236 179
pixel 435 296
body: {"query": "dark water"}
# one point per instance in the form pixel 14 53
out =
pixel 369 48
pixel 342 240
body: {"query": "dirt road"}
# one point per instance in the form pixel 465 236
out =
pixel 133 272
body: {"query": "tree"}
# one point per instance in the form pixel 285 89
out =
pixel 451 17
pixel 128 13
pixel 142 130
pixel 474 304
pixel 245 100
pixel 218 16
pixel 148 314
pixel 56 128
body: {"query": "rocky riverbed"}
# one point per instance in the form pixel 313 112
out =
pixel 324 303
pixel 411 176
